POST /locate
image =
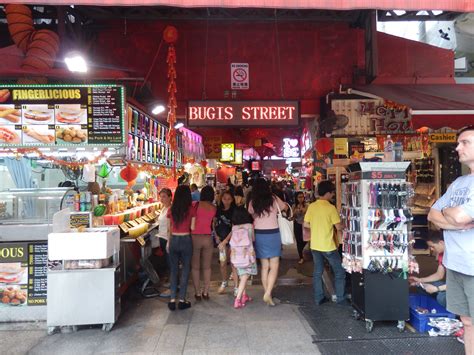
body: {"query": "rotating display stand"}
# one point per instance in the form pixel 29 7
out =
pixel 376 240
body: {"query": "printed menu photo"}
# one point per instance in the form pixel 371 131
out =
pixel 67 134
pixel 9 115
pixel 13 284
pixel 37 114
pixel 71 114
pixel 38 134
pixel 10 134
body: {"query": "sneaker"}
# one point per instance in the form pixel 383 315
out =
pixel 184 304
pixel 222 288
pixel 172 306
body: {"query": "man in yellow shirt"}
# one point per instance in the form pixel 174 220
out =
pixel 322 218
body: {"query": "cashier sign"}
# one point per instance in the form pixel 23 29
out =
pixel 239 76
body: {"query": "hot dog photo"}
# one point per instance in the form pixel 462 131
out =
pixel 38 134
pixel 71 114
pixel 10 135
pixel 37 114
pixel 9 114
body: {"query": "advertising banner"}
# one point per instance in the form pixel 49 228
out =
pixel 61 115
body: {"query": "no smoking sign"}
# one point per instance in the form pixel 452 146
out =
pixel 239 76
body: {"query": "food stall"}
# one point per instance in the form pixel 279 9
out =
pixel 114 159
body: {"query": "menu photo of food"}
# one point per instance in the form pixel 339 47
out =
pixel 71 114
pixel 71 134
pixel 14 295
pixel 38 134
pixel 37 114
pixel 10 134
pixel 9 114
pixel 13 273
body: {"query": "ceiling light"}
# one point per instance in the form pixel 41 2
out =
pixel 76 63
pixel 158 109
pixel 179 125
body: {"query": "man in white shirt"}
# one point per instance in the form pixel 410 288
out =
pixel 454 213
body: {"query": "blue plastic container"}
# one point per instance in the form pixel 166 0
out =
pixel 420 321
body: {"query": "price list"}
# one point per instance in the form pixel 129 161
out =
pixel 105 121
pixel 37 273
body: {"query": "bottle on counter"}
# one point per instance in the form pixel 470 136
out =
pixel 398 151
pixel 388 149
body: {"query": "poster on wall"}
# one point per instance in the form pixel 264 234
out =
pixel 227 152
pixel 61 115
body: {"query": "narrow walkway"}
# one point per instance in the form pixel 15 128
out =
pixel 146 326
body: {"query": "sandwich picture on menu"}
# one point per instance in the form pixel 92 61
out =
pixel 38 135
pixel 71 114
pixel 37 114
pixel 8 114
pixel 11 273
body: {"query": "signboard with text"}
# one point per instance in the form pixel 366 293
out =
pixel 23 274
pixel 239 76
pixel 61 115
pixel 242 113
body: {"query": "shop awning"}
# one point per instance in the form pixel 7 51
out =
pixel 446 5
pixel 433 106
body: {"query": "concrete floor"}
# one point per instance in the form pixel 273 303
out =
pixel 146 326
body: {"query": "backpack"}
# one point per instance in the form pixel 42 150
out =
pixel 242 254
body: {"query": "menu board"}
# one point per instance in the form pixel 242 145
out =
pixel 37 273
pixel 61 115
pixel 23 274
pixel 147 140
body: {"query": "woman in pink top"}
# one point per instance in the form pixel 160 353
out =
pixel 202 243
pixel 263 208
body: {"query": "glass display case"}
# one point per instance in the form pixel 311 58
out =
pixel 30 206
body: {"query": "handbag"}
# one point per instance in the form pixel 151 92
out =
pixel 286 227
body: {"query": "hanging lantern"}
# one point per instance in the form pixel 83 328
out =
pixel 204 163
pixel 324 145
pixel 104 171
pixel 129 173
pixel 170 34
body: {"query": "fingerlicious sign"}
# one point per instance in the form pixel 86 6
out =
pixel 61 115
pixel 242 113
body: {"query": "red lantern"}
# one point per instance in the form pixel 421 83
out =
pixel 324 145
pixel 203 163
pixel 170 34
pixel 129 173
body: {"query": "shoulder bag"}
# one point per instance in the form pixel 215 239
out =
pixel 285 226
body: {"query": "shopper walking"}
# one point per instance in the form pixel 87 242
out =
pixel 299 210
pixel 203 244
pixel 222 229
pixel 181 215
pixel 242 252
pixel 263 207
pixel 454 213
pixel 322 218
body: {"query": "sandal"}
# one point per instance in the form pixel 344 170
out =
pixel 198 297
pixel 205 296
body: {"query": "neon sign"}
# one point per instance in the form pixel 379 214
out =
pixel 290 148
pixel 242 113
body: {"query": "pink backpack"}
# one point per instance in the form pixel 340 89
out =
pixel 242 254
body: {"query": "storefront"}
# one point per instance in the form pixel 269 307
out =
pixel 114 158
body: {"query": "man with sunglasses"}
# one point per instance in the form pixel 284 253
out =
pixel 454 213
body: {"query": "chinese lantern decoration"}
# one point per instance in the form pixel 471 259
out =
pixel 324 145
pixel 39 46
pixel 129 173
pixel 170 35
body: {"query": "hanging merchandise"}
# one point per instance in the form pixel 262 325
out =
pixel 170 35
pixel 377 239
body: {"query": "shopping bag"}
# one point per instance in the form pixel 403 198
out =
pixel 286 227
